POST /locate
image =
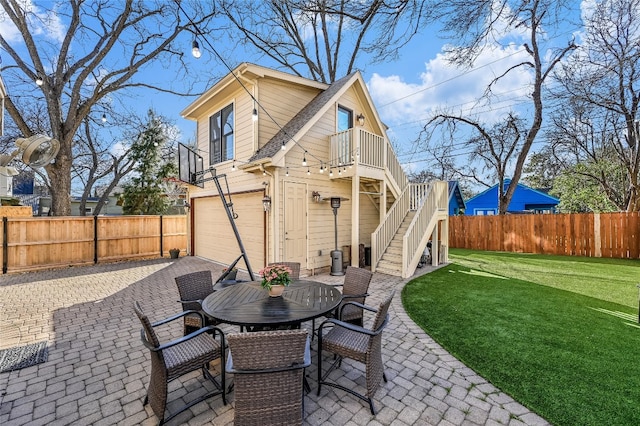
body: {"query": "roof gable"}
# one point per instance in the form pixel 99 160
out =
pixel 245 71
pixel 454 192
pixel 307 116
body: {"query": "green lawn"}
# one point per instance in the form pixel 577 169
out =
pixel 559 334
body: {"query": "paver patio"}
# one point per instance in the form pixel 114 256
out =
pixel 98 369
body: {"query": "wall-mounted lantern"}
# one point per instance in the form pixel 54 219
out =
pixel 360 119
pixel 266 203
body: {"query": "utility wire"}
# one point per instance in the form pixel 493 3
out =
pixel 244 87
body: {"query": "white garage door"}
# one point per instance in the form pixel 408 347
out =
pixel 213 235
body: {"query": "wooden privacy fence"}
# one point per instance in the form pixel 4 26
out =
pixel 45 242
pixel 614 235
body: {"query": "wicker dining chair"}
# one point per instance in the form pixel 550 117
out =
pixel 193 288
pixel 294 266
pixel 268 369
pixel 354 289
pixel 178 357
pixel 346 340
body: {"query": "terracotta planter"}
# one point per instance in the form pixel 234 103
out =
pixel 276 290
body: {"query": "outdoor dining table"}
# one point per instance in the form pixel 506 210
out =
pixel 249 305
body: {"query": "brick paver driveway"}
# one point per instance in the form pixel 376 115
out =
pixel 97 371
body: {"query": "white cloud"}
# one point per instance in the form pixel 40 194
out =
pixel 118 149
pixel 444 87
pixel 42 23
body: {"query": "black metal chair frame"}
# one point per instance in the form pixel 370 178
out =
pixel 220 387
pixel 338 358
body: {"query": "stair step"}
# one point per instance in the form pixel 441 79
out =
pixel 396 251
pixel 389 269
pixel 395 257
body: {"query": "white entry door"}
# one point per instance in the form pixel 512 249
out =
pixel 295 223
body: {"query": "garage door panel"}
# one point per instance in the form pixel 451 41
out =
pixel 214 237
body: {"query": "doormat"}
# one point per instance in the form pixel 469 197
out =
pixel 23 356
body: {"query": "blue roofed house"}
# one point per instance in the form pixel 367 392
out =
pixel 524 200
pixel 456 202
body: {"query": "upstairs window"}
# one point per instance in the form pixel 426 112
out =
pixel 345 119
pixel 221 142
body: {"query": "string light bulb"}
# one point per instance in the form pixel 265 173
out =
pixel 254 116
pixel 304 159
pixel 287 173
pixel 284 146
pixel 104 118
pixel 308 171
pixel 39 80
pixel 330 172
pixel 195 49
pixel 233 166
pixel 321 168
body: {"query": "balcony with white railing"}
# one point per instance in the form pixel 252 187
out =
pixel 371 155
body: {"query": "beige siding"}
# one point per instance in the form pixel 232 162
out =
pixel 214 238
pixel 283 101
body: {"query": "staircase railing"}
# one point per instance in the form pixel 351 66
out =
pixel 411 198
pixel 384 233
pixel 431 208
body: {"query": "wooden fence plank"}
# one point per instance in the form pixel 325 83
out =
pixel 45 242
pixel 617 236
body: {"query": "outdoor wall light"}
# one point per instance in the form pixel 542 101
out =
pixel 266 203
pixel 195 49
pixel 37 151
pixel 360 119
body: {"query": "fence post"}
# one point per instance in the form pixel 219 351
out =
pixel 597 239
pixel 161 238
pixel 5 244
pixel 95 240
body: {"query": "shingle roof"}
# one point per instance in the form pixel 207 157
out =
pixel 290 129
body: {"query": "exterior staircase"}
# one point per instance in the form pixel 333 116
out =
pixel 419 212
pixel 391 261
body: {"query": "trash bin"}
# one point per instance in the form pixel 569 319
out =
pixel 361 255
pixel 367 256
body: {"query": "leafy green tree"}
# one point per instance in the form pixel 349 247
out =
pixel 143 193
pixel 542 168
pixel 579 194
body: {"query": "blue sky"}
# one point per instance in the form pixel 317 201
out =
pixel 405 91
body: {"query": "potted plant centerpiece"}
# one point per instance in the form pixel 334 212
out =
pixel 275 278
